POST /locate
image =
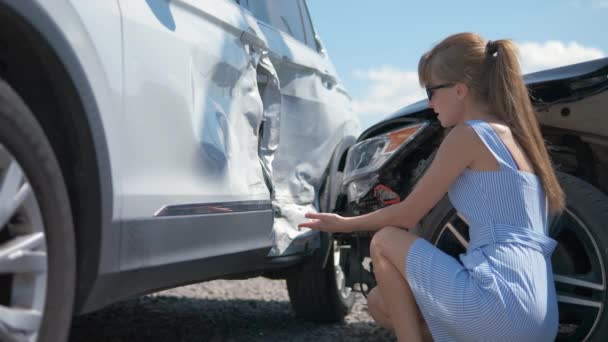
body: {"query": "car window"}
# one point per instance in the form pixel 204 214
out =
pixel 283 15
pixel 244 3
pixel 307 22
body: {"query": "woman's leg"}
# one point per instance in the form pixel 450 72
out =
pixel 375 305
pixel 398 309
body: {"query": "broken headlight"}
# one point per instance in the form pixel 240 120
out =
pixel 367 157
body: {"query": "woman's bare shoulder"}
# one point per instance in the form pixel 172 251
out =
pixel 459 143
pixel 462 136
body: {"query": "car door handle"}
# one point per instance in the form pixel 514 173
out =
pixel 328 81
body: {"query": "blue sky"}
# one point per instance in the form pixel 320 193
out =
pixel 375 45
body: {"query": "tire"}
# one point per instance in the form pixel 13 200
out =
pixel 317 289
pixel 24 146
pixel 582 255
pixel 319 295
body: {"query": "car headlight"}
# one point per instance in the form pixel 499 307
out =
pixel 365 158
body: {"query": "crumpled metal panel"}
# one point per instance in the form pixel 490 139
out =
pixel 292 151
pixel 286 237
pixel 231 114
pixel 271 100
pixel 314 118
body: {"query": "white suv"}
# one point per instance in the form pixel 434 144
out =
pixel 151 144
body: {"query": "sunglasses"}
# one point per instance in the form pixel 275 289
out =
pixel 429 90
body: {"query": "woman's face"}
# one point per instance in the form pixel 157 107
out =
pixel 446 99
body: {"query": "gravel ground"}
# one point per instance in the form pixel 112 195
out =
pixel 255 309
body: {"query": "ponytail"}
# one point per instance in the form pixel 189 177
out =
pixel 510 100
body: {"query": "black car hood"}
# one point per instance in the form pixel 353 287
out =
pixel 568 72
pixel 549 83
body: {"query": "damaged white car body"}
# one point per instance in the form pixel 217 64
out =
pixel 202 110
pixel 189 139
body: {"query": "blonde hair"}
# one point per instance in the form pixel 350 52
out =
pixel 491 70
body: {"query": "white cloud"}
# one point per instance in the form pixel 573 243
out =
pixel 390 88
pixel 552 54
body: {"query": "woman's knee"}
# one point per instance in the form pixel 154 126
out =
pixel 378 240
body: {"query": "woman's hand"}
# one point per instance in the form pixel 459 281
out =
pixel 331 223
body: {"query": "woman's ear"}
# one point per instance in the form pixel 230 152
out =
pixel 462 90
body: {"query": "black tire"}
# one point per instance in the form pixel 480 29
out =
pixel 585 205
pixel 313 289
pixel 25 140
pixel 316 296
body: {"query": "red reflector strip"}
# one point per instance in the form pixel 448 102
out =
pixel 386 195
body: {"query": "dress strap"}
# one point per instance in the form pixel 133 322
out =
pixel 493 142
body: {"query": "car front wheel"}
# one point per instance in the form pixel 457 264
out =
pixel 321 295
pixel 37 248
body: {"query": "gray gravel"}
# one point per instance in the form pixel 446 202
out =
pixel 255 309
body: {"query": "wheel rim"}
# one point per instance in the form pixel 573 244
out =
pixel 578 268
pixel 23 257
pixel 344 290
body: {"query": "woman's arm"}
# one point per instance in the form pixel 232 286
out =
pixel 454 155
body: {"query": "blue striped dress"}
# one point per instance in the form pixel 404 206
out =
pixel 502 289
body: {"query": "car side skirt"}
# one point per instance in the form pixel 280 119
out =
pixel 172 250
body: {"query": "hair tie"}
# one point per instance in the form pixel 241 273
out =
pixel 491 48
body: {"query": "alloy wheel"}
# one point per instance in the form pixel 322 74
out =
pixel 23 257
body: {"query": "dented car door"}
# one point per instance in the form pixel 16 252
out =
pixel 193 184
pixel 314 114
